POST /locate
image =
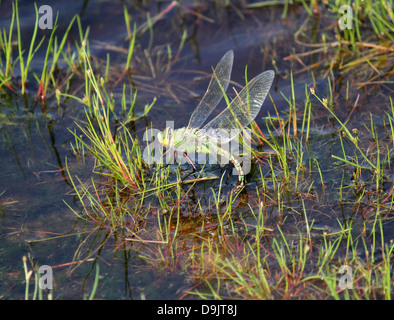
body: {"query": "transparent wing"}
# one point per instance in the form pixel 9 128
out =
pixel 230 122
pixel 214 93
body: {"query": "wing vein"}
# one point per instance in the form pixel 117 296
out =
pixel 217 86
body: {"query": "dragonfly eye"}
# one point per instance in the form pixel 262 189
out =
pixel 165 137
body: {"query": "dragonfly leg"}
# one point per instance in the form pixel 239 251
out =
pixel 190 160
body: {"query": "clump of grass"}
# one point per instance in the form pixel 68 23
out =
pixel 231 261
pixel 25 68
pixel 38 291
pixel 279 267
pixel 374 159
pixel 119 157
pixel 38 283
pixel 25 57
pixel 365 44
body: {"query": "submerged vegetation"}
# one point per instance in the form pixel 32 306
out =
pixel 319 196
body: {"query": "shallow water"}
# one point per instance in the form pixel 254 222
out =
pixel 34 146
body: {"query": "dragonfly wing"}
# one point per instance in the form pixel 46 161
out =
pixel 242 110
pixel 218 84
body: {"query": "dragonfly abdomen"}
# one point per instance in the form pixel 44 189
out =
pixel 235 162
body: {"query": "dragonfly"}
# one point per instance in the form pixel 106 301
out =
pixel 226 126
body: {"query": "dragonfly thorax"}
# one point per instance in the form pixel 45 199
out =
pixel 183 139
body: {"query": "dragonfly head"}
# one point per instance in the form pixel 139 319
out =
pixel 166 136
